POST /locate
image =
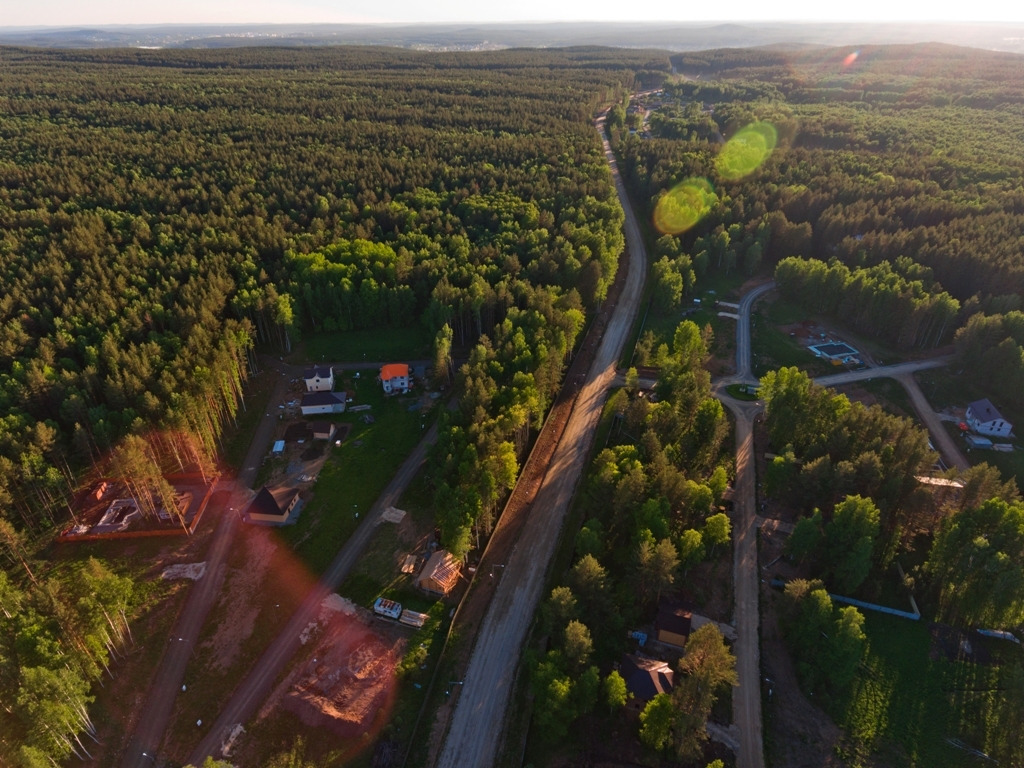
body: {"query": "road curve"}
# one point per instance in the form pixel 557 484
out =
pixel 478 723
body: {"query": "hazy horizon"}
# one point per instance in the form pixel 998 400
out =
pixel 65 13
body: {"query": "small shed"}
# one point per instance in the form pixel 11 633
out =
pixel 278 447
pixel 673 625
pixel 322 430
pixel 440 574
pixel 273 505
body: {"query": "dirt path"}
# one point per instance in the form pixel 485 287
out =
pixel 156 712
pixel 253 691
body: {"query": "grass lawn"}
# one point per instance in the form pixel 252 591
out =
pixel 238 437
pixel 891 396
pixel 413 343
pixel 355 474
pixel 906 704
pixel 773 349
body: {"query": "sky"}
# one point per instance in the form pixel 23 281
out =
pixel 107 12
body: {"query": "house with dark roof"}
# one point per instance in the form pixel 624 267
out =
pixel 440 574
pixel 645 678
pixel 273 505
pixel 319 378
pixel 322 430
pixel 314 403
pixel 394 377
pixel 672 626
pixel 985 419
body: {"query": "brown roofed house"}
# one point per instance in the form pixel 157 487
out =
pixel 646 678
pixel 440 574
pixel 672 625
pixel 273 505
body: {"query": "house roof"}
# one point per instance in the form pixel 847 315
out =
pixel 319 372
pixel 319 398
pixel 272 501
pixel 984 411
pixel 440 573
pixel 322 427
pixel 673 619
pixel 394 371
pixel 646 678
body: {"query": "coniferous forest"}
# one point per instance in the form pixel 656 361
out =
pixel 164 214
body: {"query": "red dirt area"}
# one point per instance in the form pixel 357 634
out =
pixel 349 686
pixel 347 683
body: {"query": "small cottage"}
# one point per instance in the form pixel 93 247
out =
pixel 985 419
pixel 322 430
pixel 645 678
pixel 673 625
pixel 273 505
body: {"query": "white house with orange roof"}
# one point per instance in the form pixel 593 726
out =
pixel 394 377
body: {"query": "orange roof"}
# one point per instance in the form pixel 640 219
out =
pixel 393 371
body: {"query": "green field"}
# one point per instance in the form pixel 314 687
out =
pixel 356 472
pixel 401 344
pixel 910 702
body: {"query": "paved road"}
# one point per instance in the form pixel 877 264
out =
pixel 478 723
pixel 143 747
pixel 743 370
pixel 253 691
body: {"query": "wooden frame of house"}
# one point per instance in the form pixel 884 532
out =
pixel 440 574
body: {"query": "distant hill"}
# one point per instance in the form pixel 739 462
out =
pixel 674 36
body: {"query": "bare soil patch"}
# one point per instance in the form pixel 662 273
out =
pixel 237 599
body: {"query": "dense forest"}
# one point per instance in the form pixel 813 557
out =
pixel 650 503
pixel 882 188
pixel 164 215
pixel 882 156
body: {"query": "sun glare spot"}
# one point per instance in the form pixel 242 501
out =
pixel 848 61
pixel 746 151
pixel 684 205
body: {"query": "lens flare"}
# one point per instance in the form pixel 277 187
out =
pixel 848 61
pixel 684 205
pixel 746 151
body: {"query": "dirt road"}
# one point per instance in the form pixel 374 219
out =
pixel 143 747
pixel 746 699
pixel 478 723
pixel 252 691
